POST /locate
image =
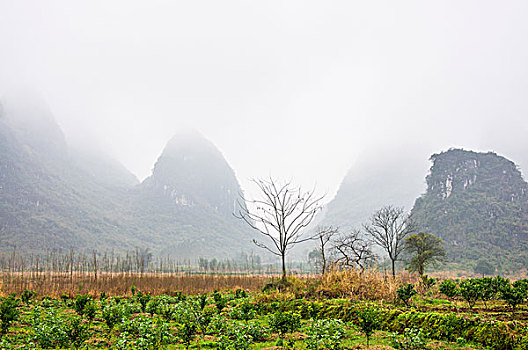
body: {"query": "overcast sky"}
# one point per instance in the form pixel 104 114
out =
pixel 297 89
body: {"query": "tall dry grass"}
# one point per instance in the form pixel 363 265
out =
pixel 354 284
pixel 114 284
pixel 362 285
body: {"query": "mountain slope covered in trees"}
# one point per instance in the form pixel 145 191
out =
pixel 478 204
pixel 52 197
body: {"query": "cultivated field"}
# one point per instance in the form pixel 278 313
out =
pixel 341 310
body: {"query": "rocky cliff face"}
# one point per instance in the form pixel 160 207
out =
pixel 478 204
pixel 191 171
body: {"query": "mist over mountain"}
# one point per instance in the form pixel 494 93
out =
pixel 55 197
pixel 478 204
pixel 390 176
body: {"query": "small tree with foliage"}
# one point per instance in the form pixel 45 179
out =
pixel 484 268
pixel 449 288
pixel 405 293
pixel 424 249
pixel 368 321
pixel 469 289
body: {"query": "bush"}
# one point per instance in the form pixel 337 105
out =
pixel 143 299
pixel 513 295
pixel 368 321
pixel 238 338
pixel 405 293
pixel 27 295
pixel 486 290
pixel 427 283
pixel 90 309
pixel 449 289
pixel 8 313
pixel 325 334
pixel 220 301
pixel 80 302
pixel 244 311
pixel 284 322
pixel 112 315
pixel 143 333
pixel 469 289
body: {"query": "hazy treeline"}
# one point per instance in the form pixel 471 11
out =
pixel 138 261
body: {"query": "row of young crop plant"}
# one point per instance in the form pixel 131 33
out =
pixel 235 320
pixel 486 289
pixel 472 290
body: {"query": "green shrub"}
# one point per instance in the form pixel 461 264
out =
pixel 368 321
pixel 284 322
pixel 90 309
pixel 27 295
pixel 405 293
pixel 8 313
pixel 469 289
pixel 244 311
pixel 513 295
pixel 143 299
pixel 486 289
pixel 220 301
pixel 202 298
pixel 449 288
pixel 112 314
pixel 80 302
pixel 237 338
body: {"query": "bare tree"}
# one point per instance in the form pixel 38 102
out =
pixel 281 214
pixel 353 250
pixel 388 228
pixel 323 235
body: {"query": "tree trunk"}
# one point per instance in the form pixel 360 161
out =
pixel 283 266
pixel 324 261
pixel 393 269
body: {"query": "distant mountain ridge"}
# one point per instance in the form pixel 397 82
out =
pixel 478 204
pixel 393 176
pixel 53 197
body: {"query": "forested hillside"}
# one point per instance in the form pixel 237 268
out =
pixel 478 204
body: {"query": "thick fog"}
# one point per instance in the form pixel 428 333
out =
pixel 295 89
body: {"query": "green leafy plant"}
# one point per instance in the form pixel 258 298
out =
pixel 8 313
pixel 244 311
pixel 486 290
pixel 143 299
pixel 112 314
pixel 426 283
pixel 220 301
pixel 469 289
pixel 80 302
pixel 284 322
pixel 325 334
pixel 27 295
pixel 405 293
pixel 412 339
pixel 513 295
pixel 90 309
pixel 449 288
pixel 202 300
pixel 368 321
